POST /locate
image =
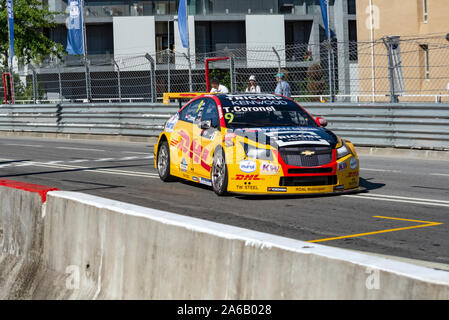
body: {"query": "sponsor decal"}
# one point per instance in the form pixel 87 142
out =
pixel 194 150
pixel 195 179
pixel 342 166
pixel 183 165
pixel 310 189
pixel 209 133
pixel 353 163
pixel 269 168
pixel 276 189
pixel 205 181
pixel 247 187
pixel 170 124
pixel 247 177
pixel 247 166
pixel 352 174
pixel 341 187
pixel 241 97
pixel 285 138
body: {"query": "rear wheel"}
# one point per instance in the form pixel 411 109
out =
pixel 219 174
pixel 163 162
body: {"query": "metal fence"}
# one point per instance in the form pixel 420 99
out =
pixel 424 126
pixel 387 70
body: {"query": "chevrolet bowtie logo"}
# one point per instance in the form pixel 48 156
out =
pixel 308 153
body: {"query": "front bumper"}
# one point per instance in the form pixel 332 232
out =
pixel 345 178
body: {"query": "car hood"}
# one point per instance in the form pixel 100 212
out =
pixel 286 136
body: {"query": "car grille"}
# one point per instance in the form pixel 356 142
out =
pixel 308 181
pixel 292 155
pixel 309 171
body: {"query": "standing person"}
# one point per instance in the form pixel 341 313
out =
pixel 252 85
pixel 282 88
pixel 217 87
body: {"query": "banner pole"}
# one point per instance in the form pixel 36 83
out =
pixel 88 93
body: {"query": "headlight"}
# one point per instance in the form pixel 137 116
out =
pixel 342 151
pixel 257 153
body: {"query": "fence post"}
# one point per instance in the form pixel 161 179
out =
pixel 34 83
pixel 330 68
pixel 279 59
pixel 232 72
pixel 87 76
pixel 118 81
pixel 60 81
pixel 393 97
pixel 152 77
pixel 189 63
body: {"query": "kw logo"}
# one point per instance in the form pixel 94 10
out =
pixel 247 177
pixel 308 153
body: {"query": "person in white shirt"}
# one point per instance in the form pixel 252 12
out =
pixel 217 87
pixel 252 85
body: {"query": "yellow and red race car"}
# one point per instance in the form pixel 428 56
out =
pixel 254 144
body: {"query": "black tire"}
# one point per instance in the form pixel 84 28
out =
pixel 163 162
pixel 219 173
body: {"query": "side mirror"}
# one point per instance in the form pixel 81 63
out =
pixel 321 121
pixel 206 124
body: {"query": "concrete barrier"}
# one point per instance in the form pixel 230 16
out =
pixel 88 247
pixel 21 237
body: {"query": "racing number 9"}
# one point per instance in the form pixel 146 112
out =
pixel 229 116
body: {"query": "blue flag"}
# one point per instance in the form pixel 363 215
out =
pixel 182 23
pixel 10 10
pixel 75 38
pixel 323 5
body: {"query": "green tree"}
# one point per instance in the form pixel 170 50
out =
pixel 31 18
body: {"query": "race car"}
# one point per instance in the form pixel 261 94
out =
pixel 254 144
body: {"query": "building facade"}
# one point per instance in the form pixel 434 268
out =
pixel 119 29
pixel 418 30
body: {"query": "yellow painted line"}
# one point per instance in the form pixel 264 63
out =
pixel 423 225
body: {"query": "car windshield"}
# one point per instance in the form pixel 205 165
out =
pixel 252 111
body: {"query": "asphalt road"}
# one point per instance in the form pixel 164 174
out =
pixel 404 213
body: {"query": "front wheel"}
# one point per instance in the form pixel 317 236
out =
pixel 163 162
pixel 219 174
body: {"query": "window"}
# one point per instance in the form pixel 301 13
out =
pixel 192 112
pixel 425 52
pixel 210 113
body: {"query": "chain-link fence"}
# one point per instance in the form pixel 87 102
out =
pixel 391 69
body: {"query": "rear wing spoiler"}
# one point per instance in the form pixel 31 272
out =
pixel 180 95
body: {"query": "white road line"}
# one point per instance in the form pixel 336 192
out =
pixel 26 164
pixel 83 149
pixel 109 171
pixel 23 145
pixel 133 152
pixel 104 159
pixel 440 174
pixel 379 170
pixel 403 198
pixel 427 202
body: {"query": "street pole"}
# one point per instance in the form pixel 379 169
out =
pixel 168 56
pixel 330 54
pixel 88 93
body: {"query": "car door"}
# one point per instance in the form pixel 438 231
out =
pixel 181 139
pixel 205 140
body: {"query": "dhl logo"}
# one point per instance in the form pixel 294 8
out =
pixel 247 177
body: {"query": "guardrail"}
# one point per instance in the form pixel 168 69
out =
pixel 424 126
